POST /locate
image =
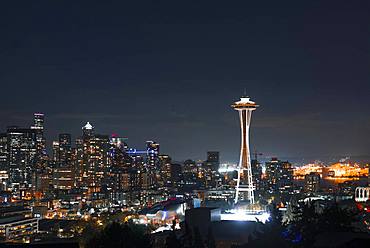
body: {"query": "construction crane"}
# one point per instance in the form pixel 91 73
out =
pixel 256 154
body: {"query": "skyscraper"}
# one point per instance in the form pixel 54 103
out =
pixel 55 148
pixel 213 160
pixel 257 175
pixel 38 126
pixel 152 153
pixel 3 161
pixel 119 142
pixel 95 157
pixel 65 149
pixel 98 159
pixel 165 168
pixel 21 156
pixel 244 181
pixel 87 135
pixel 3 151
pixel 279 176
pixel 87 130
pixel 78 161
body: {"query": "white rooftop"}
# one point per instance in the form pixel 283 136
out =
pixel 244 99
pixel 88 126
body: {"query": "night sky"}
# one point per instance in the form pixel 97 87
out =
pixel 168 71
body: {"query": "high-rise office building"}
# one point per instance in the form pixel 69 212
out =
pixel 190 173
pixel 3 161
pixel 21 156
pixel 257 175
pixel 152 153
pixel 165 168
pixel 78 155
pixel 65 150
pixel 279 176
pixel 3 151
pixel 38 126
pixel 117 153
pixel 95 157
pixel 123 177
pixel 119 142
pixel 213 160
pixel 38 121
pixel 98 159
pixel 63 178
pixel 4 178
pixel 55 147
pixel 312 182
pixel 87 130
pixel 176 174
pixel 87 135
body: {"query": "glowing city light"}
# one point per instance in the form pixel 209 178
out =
pixel 245 215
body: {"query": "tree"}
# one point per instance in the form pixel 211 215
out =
pixel 308 224
pixel 173 224
pixel 120 235
pixel 187 239
pixel 335 218
pixel 292 212
pixel 172 241
pixel 198 241
pixel 268 234
pixel 211 243
pixel 89 231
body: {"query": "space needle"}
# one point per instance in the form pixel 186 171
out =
pixel 244 182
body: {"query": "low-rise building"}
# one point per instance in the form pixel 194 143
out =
pixel 17 224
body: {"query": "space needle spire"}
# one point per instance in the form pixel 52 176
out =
pixel 244 184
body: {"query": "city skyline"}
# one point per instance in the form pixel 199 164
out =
pixel 140 144
pixel 133 70
pixel 129 124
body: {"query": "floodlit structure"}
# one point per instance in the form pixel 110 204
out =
pixel 362 198
pixel 362 194
pixel 245 215
pixel 244 181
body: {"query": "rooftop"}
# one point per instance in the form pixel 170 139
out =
pixel 88 126
pixel 244 102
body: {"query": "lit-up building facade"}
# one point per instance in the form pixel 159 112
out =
pixel 362 198
pixel 78 156
pixel 55 147
pixel 95 157
pixel 279 176
pixel 3 151
pixel 213 160
pixel 21 156
pixel 258 182
pixel 165 168
pixel 337 172
pixel 38 126
pixel 152 153
pixel 312 182
pixel 63 178
pixel 18 229
pixel 65 149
